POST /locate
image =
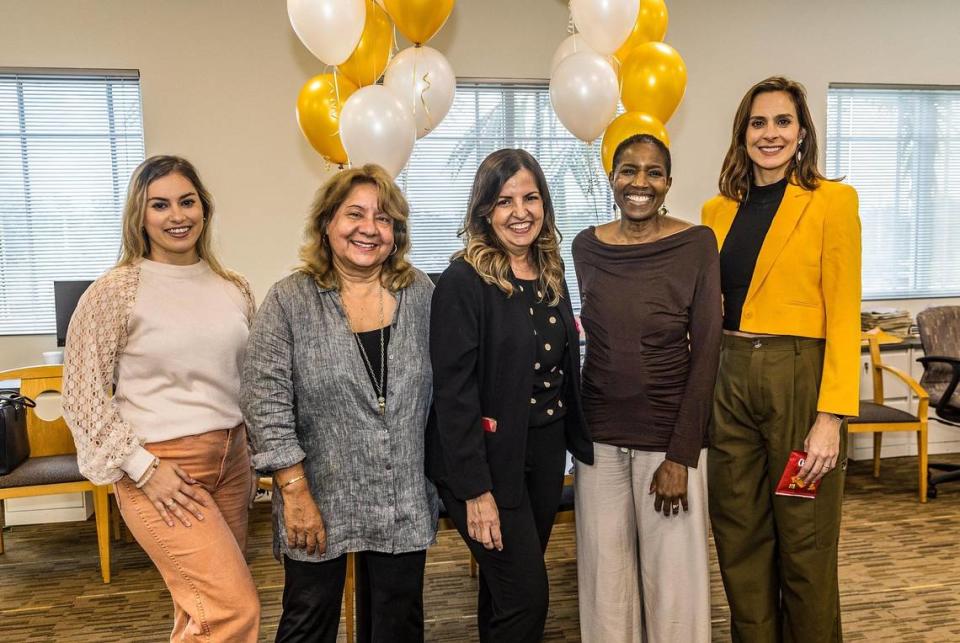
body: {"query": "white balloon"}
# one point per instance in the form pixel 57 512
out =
pixel 375 127
pixel 423 79
pixel 605 24
pixel 330 29
pixel 570 45
pixel 584 92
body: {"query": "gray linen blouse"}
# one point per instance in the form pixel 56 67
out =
pixel 306 397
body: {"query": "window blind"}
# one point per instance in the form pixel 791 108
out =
pixel 68 144
pixel 900 147
pixel 486 117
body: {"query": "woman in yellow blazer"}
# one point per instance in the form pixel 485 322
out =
pixel 790 275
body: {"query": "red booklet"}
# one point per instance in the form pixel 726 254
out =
pixel 790 483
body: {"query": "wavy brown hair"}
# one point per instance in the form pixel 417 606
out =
pixel 396 271
pixel 484 250
pixel 135 243
pixel 736 175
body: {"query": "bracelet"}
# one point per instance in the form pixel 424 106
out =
pixel 291 481
pixel 148 473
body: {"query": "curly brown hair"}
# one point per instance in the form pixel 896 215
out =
pixel 396 273
pixel 484 250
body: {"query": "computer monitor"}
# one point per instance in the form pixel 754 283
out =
pixel 66 294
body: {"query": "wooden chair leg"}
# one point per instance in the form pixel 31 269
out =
pixel 115 518
pixel 877 446
pixel 473 566
pixel 2 525
pixel 922 458
pixel 101 515
pixel 349 592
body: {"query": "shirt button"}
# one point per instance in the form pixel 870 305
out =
pixel 748 315
pixel 389 467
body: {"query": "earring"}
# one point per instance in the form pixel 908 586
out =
pixel 799 152
pixel 663 211
pixel 394 250
pixel 204 218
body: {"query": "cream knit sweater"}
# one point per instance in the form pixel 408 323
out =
pixel 170 341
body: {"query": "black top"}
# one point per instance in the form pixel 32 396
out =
pixel 738 257
pixel 651 314
pixel 482 347
pixel 371 345
pixel 546 403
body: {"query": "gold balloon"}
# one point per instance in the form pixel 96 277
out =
pixel 318 113
pixel 651 25
pixel 653 79
pixel 368 61
pixel 623 127
pixel 419 20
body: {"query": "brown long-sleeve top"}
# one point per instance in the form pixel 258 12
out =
pixel 653 320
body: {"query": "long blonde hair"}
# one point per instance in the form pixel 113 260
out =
pixel 485 252
pixel 135 243
pixel 396 272
pixel 736 175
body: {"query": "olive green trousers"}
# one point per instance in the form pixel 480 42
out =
pixel 778 554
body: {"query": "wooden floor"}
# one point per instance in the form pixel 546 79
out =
pixel 899 576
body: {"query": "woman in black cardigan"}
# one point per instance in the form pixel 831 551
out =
pixel 506 368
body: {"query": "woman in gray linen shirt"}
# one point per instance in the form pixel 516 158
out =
pixel 336 391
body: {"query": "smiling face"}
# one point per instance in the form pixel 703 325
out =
pixel 173 220
pixel 772 136
pixel 640 182
pixel 517 216
pixel 360 234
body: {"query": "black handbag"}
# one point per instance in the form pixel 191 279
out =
pixel 14 446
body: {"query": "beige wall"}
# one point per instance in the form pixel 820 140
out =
pixel 219 80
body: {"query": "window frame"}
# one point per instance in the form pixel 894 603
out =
pixel 924 153
pixel 124 143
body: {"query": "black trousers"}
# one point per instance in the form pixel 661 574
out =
pixel 389 598
pixel 514 595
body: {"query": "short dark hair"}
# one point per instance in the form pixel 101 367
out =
pixel 637 139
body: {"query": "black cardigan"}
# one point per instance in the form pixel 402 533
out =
pixel 482 347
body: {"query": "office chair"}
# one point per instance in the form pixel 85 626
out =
pixel 940 336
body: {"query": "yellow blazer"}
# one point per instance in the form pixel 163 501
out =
pixel 807 280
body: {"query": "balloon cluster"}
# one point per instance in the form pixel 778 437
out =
pixel 345 115
pixel 617 54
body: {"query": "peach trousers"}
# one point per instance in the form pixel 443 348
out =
pixel 214 598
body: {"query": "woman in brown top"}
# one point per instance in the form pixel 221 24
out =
pixel 650 287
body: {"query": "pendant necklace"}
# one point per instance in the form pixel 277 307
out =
pixel 377 383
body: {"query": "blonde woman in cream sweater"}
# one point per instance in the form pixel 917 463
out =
pixel 166 330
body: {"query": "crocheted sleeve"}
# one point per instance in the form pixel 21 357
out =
pixel 247 293
pixel 95 339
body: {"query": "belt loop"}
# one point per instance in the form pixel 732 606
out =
pixel 796 345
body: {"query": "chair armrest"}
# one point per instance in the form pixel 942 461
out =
pixel 945 410
pixel 906 379
pixel 940 359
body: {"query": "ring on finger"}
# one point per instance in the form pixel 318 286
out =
pixel 170 502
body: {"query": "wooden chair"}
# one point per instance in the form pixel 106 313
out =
pixel 52 465
pixel 877 417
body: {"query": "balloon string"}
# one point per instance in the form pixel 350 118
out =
pixel 423 101
pixel 338 107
